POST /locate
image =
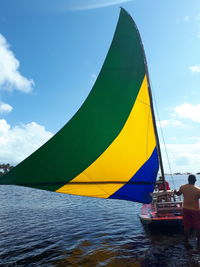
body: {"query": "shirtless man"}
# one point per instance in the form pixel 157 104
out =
pixel 191 209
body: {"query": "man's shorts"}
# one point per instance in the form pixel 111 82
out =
pixel 191 218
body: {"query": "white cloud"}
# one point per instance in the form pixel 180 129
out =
pixel 194 138
pixel 5 108
pixel 170 123
pixel 183 161
pixel 93 78
pixel 16 143
pixel 189 111
pixel 4 127
pixel 186 18
pixel 163 123
pixel 92 4
pixel 10 77
pixel 183 157
pixel 197 17
pixel 195 68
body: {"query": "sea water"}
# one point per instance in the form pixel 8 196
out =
pixel 41 228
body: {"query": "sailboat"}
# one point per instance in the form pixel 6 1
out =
pixel 110 147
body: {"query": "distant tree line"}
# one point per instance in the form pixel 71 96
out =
pixel 5 168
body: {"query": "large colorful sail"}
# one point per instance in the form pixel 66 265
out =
pixel 108 149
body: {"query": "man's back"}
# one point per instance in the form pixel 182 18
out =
pixel 191 210
pixel 191 196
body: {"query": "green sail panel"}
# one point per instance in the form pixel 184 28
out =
pixel 96 124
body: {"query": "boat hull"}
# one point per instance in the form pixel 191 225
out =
pixel 150 218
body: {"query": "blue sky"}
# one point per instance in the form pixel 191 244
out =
pixel 51 53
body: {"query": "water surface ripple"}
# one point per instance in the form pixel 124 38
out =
pixel 40 228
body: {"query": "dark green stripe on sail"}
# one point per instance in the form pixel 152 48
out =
pixel 96 124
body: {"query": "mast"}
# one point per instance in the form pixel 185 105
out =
pixel 154 119
pixel 154 124
pixel 153 113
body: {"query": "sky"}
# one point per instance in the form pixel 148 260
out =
pixel 52 51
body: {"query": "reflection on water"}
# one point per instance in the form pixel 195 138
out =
pixel 40 228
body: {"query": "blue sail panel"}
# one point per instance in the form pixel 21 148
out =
pixel 142 183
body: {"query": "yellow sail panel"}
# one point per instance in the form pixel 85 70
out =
pixel 123 158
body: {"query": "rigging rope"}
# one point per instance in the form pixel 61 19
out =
pixel 162 134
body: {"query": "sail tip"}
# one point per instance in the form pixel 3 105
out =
pixel 122 9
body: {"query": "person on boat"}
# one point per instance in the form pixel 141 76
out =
pixel 162 185
pixel 191 209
